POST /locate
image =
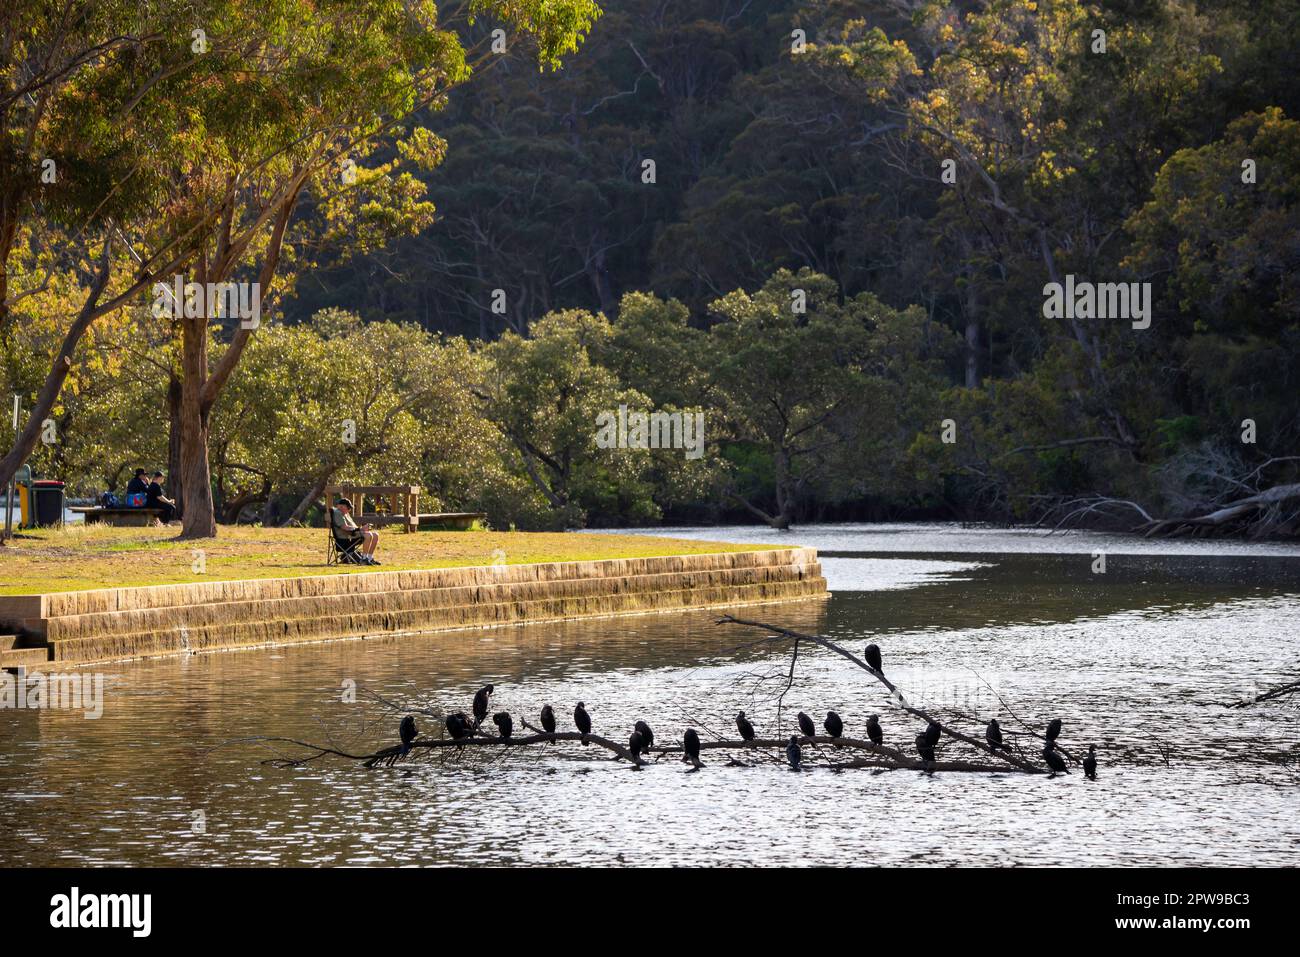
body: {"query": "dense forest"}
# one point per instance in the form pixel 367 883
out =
pixel 1005 260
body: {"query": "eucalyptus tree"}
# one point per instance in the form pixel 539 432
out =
pixel 84 221
pixel 241 109
pixel 337 399
pixel 815 391
pixel 546 394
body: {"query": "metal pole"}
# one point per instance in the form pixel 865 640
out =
pixel 9 498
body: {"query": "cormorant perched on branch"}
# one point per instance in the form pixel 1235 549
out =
pixel 548 721
pixel 873 730
pixel 505 724
pixel 481 703
pixel 636 744
pixel 744 727
pixel 872 655
pixel 793 753
pixel 1054 730
pixel 1090 762
pixel 932 732
pixel 691 745
pixel 833 725
pixel 407 733
pixel 806 726
pixel 924 748
pixel 647 736
pixel 1054 760
pixel 583 721
pixel 458 725
pixel 993 735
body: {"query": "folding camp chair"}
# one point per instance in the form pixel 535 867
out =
pixel 340 550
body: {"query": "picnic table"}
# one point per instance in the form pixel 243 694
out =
pixel 400 504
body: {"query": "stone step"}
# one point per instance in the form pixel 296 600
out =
pixel 61 604
pixel 476 615
pixel 8 641
pixel 152 620
pixel 13 658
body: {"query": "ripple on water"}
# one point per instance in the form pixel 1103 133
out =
pixel 1140 661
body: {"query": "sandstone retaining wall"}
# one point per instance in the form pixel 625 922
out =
pixel 176 619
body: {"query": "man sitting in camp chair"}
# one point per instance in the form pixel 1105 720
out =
pixel 346 531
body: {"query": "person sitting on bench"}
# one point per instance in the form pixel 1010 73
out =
pixel 345 527
pixel 138 484
pixel 156 499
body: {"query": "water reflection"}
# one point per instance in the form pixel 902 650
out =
pixel 1139 661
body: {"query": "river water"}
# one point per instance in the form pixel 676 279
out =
pixel 1139 659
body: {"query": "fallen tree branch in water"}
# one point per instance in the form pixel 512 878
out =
pixel 882 756
pixel 896 696
pixel 1260 508
pixel 859 753
pixel 1281 692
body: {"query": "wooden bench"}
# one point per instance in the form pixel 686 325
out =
pixel 99 515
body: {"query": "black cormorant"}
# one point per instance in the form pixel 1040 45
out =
pixel 993 735
pixel 583 721
pixel 1054 760
pixel 1090 762
pixel 873 658
pixel 548 721
pixel 932 732
pixel 806 726
pixel 636 744
pixel 691 745
pixel 833 725
pixel 924 748
pixel 793 753
pixel 744 727
pixel 458 725
pixel 873 730
pixel 505 724
pixel 407 733
pixel 481 703
pixel 1054 730
pixel 647 736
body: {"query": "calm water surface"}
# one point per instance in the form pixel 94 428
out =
pixel 1139 660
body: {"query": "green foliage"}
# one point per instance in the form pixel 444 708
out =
pixel 776 170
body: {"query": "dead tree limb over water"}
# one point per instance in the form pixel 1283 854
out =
pixel 855 752
pixel 785 634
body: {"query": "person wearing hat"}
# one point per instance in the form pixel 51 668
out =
pixel 345 526
pixel 139 483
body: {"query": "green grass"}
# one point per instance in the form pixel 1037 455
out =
pixel 82 557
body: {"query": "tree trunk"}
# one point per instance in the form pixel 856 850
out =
pixel 784 494
pixel 972 338
pixel 176 487
pixel 196 474
pixel 317 490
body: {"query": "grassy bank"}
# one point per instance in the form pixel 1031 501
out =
pixel 82 557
